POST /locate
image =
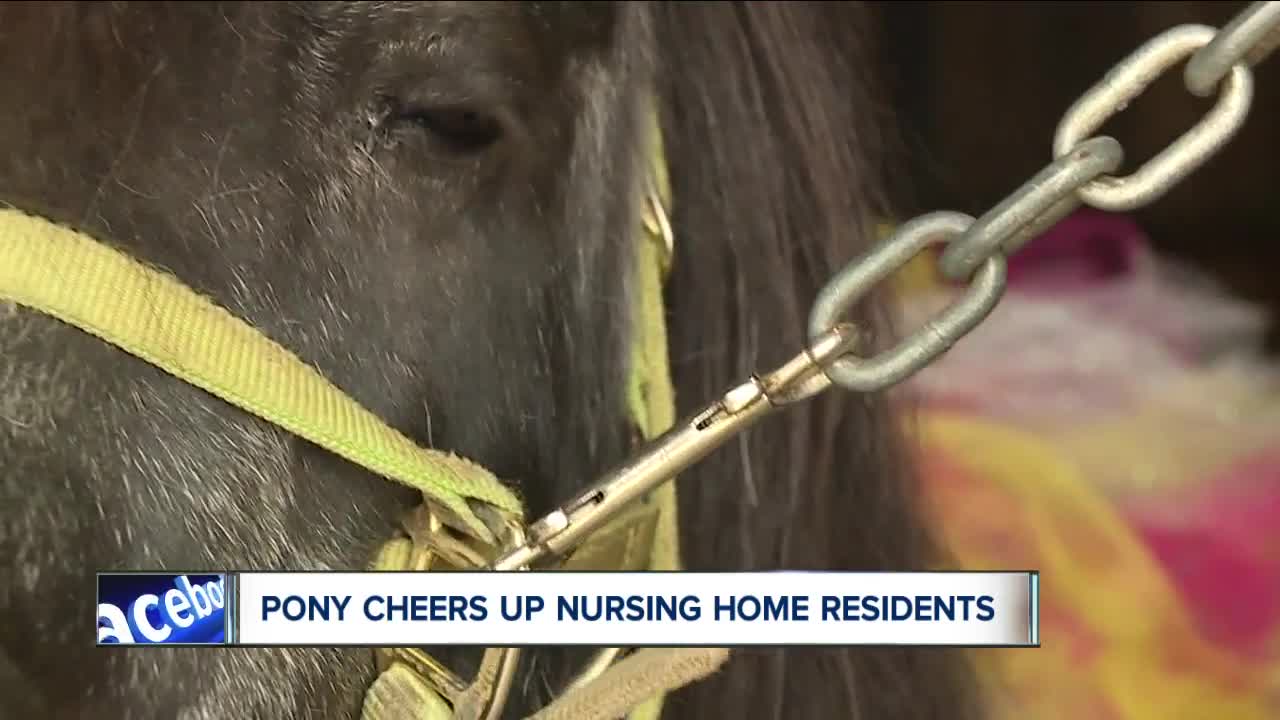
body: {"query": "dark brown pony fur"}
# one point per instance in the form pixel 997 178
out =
pixel 311 166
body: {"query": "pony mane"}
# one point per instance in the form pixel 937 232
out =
pixel 774 156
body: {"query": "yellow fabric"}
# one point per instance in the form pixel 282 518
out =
pixel 1116 639
pixel 155 317
pixel 919 274
pixel 399 694
pixel 624 544
pixel 630 679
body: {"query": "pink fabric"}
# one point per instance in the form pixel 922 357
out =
pixel 1222 550
pixel 1142 381
pixel 1086 247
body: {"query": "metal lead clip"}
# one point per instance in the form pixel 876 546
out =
pixel 662 458
pixel 685 444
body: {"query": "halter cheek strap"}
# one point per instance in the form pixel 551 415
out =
pixel 643 536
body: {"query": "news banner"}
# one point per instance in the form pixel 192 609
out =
pixel 607 609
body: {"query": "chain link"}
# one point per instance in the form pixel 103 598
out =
pixel 937 335
pixel 1249 38
pixel 1079 174
pixel 1122 85
pixel 1046 198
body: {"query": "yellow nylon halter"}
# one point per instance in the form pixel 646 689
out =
pixel 466 510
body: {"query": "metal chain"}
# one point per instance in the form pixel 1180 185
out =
pixel 975 251
pixel 1250 37
pixel 1079 174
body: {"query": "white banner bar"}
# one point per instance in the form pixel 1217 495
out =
pixel 637 609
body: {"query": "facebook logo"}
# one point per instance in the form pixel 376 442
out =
pixel 161 608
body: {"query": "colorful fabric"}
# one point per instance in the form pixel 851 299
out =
pixel 1133 458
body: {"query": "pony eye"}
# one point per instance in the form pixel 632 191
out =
pixel 460 129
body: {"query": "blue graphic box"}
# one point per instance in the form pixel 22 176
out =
pixel 163 609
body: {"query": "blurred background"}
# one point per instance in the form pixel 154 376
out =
pixel 978 88
pixel 1116 423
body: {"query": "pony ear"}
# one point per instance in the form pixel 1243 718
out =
pixel 766 110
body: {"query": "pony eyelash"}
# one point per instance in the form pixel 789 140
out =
pixel 456 129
